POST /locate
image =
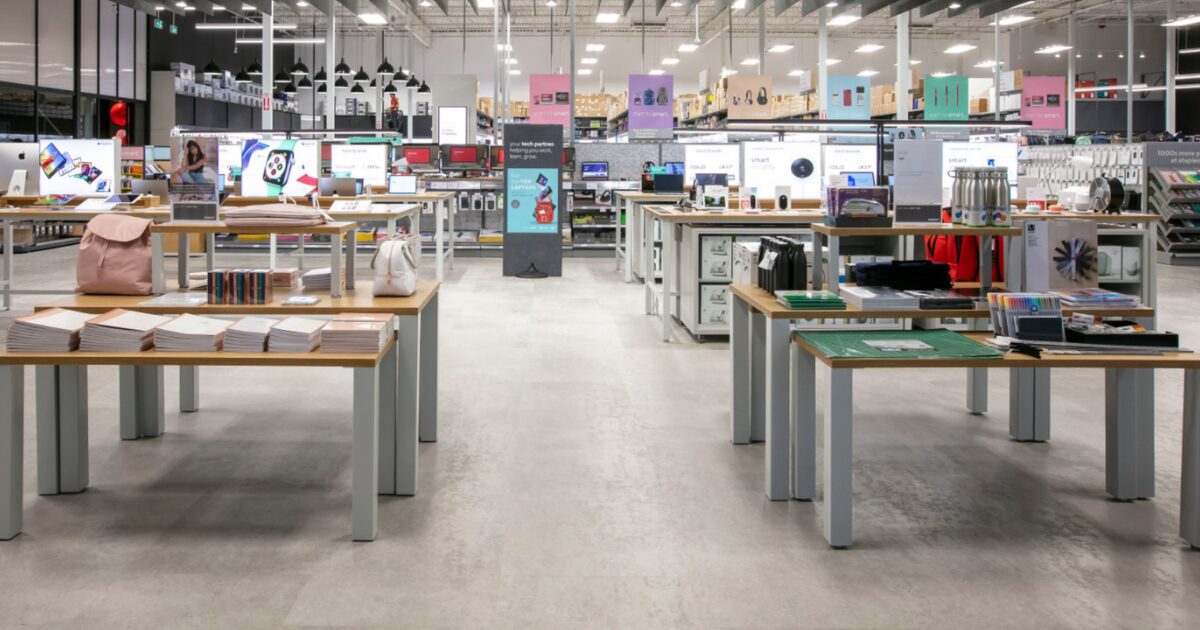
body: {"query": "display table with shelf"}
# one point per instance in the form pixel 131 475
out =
pixel 631 253
pixel 1178 205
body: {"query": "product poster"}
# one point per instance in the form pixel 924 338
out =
pixel 748 97
pixel 452 124
pixel 712 158
pixel 194 169
pixel 956 154
pixel 368 162
pixel 533 200
pixel 651 106
pixel 849 98
pixel 842 159
pixel 1043 102
pixel 768 165
pixel 550 99
pixel 274 167
pixel 77 167
pixel 229 161
pixel 947 98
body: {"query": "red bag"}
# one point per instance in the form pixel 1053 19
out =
pixel 962 254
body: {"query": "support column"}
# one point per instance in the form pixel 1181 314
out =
pixel 822 57
pixel 903 65
pixel 1071 73
pixel 1172 69
pixel 762 38
pixel 570 128
pixel 330 64
pixel 268 71
pixel 1129 80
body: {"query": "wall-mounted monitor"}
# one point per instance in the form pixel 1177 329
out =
pixel 421 157
pixel 594 171
pixel 77 167
pixel 368 162
pixel 464 157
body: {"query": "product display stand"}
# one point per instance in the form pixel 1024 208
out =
pixel 630 202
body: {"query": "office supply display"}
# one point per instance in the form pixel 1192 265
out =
pixel 943 299
pixel 280 167
pixel 51 330
pixel 318 279
pixel 594 170
pixel 1081 298
pixel 191 333
pixel 249 334
pixel 368 162
pixel 811 300
pixel 240 286
pixel 295 334
pixel 879 298
pixel 77 167
pixel 898 344
pixel 286 277
pixel 904 274
pixel 1061 255
pixel 120 330
pixel 402 185
pixel 1026 316
pixel 782 264
pixel 358 335
pixel 1084 329
pixel 301 300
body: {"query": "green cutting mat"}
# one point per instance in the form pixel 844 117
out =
pixel 946 344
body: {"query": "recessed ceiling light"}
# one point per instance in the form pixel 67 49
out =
pixel 914 62
pixel 1183 21
pixel 1052 49
pixel 487 4
pixel 375 19
pixel 940 75
pixel 780 48
pixel 832 62
pixel 657 71
pixel 299 3
pixel 605 17
pixel 549 3
pixel 687 48
pixel 988 63
pixel 511 61
pixel 221 7
pixel 588 61
pixel 868 73
pixel 584 71
pixel 426 4
pixel 959 49
pixel 503 47
pixel 670 61
pixel 868 48
pixel 676 3
pixel 738 5
pixel 955 5
pixel 844 19
pixel 514 71
pixel 594 48
pixel 728 71
pixel 796 73
pixel 750 61
pixel 249 7
pixel 1012 20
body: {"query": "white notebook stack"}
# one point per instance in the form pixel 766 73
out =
pixel 191 333
pixel 295 334
pixel 249 334
pixel 881 298
pixel 120 330
pixel 317 279
pixel 355 336
pixel 51 330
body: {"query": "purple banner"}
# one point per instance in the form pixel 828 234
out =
pixel 651 105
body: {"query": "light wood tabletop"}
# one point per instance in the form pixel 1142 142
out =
pixel 1087 216
pixel 352 302
pixel 671 213
pixel 154 357
pixel 70 213
pixel 219 227
pixel 640 197
pixel 949 229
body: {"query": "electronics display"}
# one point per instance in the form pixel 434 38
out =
pixel 860 179
pixel 956 154
pixel 768 165
pixel 496 157
pixel 594 170
pixel 19 156
pixel 674 168
pixel 421 157
pixel 712 158
pixel 368 162
pixel 668 183
pixel 156 187
pixel 347 186
pixel 402 185
pixel 467 157
pixel 229 161
pixel 274 167
pixel 452 124
pixel 77 167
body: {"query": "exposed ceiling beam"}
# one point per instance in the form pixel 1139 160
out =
pixel 993 7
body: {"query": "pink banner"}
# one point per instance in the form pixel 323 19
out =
pixel 550 99
pixel 1044 102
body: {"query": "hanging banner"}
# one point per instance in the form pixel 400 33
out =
pixel 651 107
pixel 1043 102
pixel 550 99
pixel 947 98
pixel 748 96
pixel 533 199
pixel 849 98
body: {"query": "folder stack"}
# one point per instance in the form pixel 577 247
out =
pixel 249 334
pixel 359 334
pixel 191 333
pixel 120 330
pixel 295 334
pixel 52 330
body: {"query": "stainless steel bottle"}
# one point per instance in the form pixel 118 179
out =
pixel 976 210
pixel 1002 210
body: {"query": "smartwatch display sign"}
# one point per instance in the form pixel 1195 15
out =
pixel 274 167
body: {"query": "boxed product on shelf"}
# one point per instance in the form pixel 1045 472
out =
pixel 240 286
pixel 1108 259
pixel 184 71
pixel 1131 263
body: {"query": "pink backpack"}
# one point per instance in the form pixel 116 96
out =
pixel 114 256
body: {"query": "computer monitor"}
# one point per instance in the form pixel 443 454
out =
pixel 156 187
pixel 859 179
pixel 346 186
pixel 496 158
pixel 594 170
pixel 19 156
pixel 421 157
pixel 674 168
pixel 402 185
pixel 668 183
pixel 712 179
pixel 325 186
pixel 464 157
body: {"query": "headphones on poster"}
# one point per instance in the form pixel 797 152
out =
pixel 762 96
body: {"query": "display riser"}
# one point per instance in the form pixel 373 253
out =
pixel 1179 260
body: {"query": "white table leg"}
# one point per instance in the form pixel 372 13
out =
pixel 142 401
pixel 181 262
pixel 633 242
pixel 1129 436
pixel 739 346
pixel 668 284
pixel 758 377
pixel 365 455
pixel 451 211
pixel 210 252
pixel 351 255
pixel 62 431
pixel 977 378
pixel 439 238
pixel 8 263
pixel 648 265
pixel 189 388
pixel 803 411
pixel 1189 479
pixel 839 457
pixel 272 250
pixel 387 421
pixel 158 267
pixel 834 252
pixel 12 448
pixel 777 413
pixel 408 403
pixel 335 266
pixel 617 241
pixel 429 370
pixel 1029 404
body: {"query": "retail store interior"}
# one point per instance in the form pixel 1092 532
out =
pixel 789 314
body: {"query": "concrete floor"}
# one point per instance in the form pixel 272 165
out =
pixel 584 478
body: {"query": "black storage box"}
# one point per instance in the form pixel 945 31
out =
pixel 1149 339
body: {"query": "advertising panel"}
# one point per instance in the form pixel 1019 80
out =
pixel 452 124
pixel 712 158
pixel 749 96
pixel 1044 102
pixel 768 165
pixel 550 99
pixel 274 167
pixel 368 162
pixel 229 161
pixel 76 167
pixel 533 198
pixel 947 98
pixel 849 98
pixel 194 169
pixel 651 109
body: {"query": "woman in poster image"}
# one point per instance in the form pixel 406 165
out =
pixel 191 164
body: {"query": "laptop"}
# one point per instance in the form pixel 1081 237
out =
pixel 668 184
pixel 861 179
pixel 594 170
pixel 402 185
pixel 346 186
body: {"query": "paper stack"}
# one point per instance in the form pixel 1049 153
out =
pixel 120 330
pixel 191 333
pixel 387 318
pixel 1083 298
pixel 295 334
pixel 355 335
pixel 249 334
pixel 318 279
pixel 286 277
pixel 52 330
pixel 811 300
pixel 879 298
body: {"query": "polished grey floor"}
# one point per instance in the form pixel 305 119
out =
pixel 584 478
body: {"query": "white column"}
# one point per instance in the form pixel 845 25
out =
pixel 762 38
pixel 903 66
pixel 822 57
pixel 996 74
pixel 268 67
pixel 330 62
pixel 1129 72
pixel 1071 74
pixel 570 130
pixel 1171 69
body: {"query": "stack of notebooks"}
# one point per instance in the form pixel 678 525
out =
pixel 318 279
pixel 949 300
pixel 52 330
pixel 1080 298
pixel 286 278
pixel 191 333
pixel 357 333
pixel 904 274
pixel 295 334
pixel 880 298
pixel 249 334
pixel 120 330
pixel 240 286
pixel 811 300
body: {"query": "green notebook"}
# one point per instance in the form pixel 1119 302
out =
pixel 898 344
pixel 810 300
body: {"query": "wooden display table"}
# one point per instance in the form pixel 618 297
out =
pixel 629 202
pixel 62 421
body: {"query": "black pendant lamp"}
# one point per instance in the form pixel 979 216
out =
pixel 357 89
pixel 342 69
pixel 412 81
pixel 255 69
pixel 320 78
pixel 341 83
pixel 281 77
pixel 401 75
pixel 373 83
pixel 242 76
pixel 321 90
pixel 212 69
pixel 299 69
pixel 424 89
pixel 304 84
pixel 390 88
pixel 385 68
pixel 289 89
pixel 361 76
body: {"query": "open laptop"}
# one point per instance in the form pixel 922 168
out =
pixel 402 185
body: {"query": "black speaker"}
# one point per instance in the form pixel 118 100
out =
pixel 802 168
